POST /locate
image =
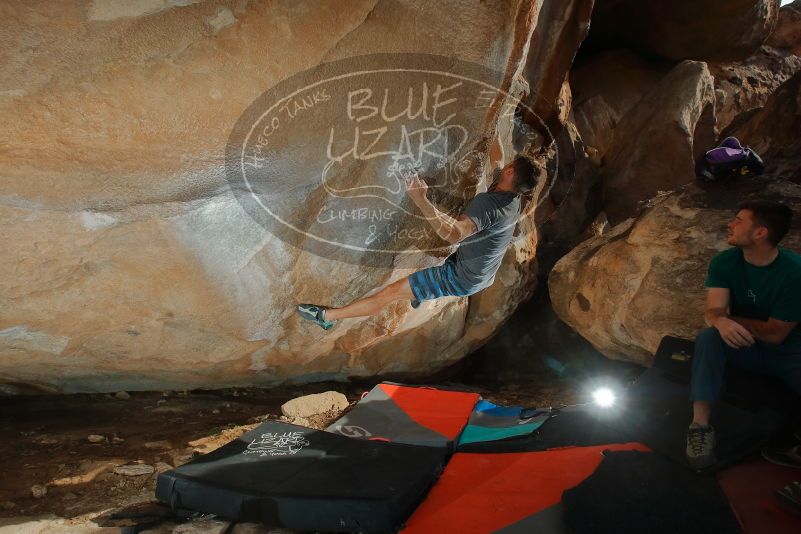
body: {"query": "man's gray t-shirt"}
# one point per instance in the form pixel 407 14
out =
pixel 479 255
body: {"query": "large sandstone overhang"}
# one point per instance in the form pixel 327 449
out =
pixel 128 262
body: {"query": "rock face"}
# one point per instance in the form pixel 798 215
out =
pixel 788 29
pixel 742 86
pixel 128 262
pixel 606 86
pixel 717 30
pixel 644 279
pixel 572 202
pixel 561 27
pixel 656 143
pixel 773 131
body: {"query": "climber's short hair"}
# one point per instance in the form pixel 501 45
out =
pixel 527 174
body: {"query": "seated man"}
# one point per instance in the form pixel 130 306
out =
pixel 753 308
pixel 483 232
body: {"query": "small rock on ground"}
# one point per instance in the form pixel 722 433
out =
pixel 316 404
pixel 134 470
pixel 181 456
pixel 157 445
pixel 202 526
pixel 161 467
pixel 300 421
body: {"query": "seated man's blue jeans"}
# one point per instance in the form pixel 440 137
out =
pixel 712 353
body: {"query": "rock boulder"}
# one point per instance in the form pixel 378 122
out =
pixel 788 28
pixel 605 87
pixel 742 86
pixel 315 404
pixel 716 30
pixel 129 262
pixel 656 143
pixel 644 279
pixel 773 131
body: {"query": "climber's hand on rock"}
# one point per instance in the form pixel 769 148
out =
pixel 416 188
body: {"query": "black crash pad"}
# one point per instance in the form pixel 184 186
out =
pixel 296 477
pixel 634 491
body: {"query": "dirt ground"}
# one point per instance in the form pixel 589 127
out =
pixel 47 442
pixel 71 444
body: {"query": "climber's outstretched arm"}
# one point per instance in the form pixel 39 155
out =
pixel 496 152
pixel 450 229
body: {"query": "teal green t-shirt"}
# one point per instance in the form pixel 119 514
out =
pixel 772 290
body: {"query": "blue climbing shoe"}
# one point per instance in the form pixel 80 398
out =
pixel 315 314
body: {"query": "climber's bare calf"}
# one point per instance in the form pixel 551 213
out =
pixel 399 290
pixel 366 306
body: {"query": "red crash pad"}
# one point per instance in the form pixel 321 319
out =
pixel 750 488
pixel 482 493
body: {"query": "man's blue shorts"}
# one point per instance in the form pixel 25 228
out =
pixel 436 282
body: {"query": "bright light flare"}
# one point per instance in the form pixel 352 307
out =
pixel 604 397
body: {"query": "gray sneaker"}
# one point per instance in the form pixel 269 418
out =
pixel 315 314
pixel 700 446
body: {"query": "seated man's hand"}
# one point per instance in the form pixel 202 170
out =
pixel 733 333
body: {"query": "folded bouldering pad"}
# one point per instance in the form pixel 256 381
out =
pixel 408 414
pixel 569 426
pixel 305 479
pixel 635 491
pixel 506 493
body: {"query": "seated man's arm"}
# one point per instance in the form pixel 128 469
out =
pixel 733 334
pixel 785 314
pixel 717 304
pixel 771 331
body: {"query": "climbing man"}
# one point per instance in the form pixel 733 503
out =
pixel 753 308
pixel 483 233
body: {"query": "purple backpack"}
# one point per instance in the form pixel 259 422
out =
pixel 729 160
pixel 728 151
